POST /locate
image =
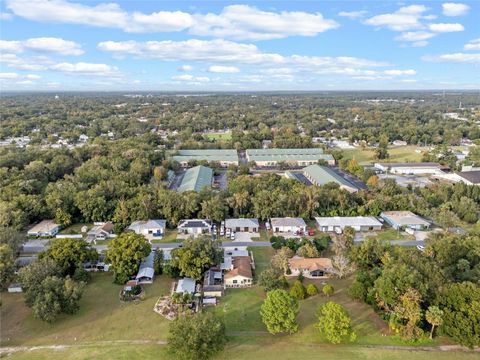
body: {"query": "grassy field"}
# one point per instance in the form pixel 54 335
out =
pixel 218 136
pixel 392 234
pixel 170 237
pixel 108 329
pixel 75 229
pixel 397 154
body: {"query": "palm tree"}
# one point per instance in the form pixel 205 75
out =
pixel 434 316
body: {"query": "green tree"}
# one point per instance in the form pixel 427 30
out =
pixel 196 256
pixel 461 306
pixel 196 337
pixel 271 279
pixel 312 290
pixel 381 152
pixel 214 209
pixel 334 322
pixel 409 312
pixel 298 290
pixel 328 290
pixel 434 316
pixel 280 259
pixel 69 253
pixel 31 277
pixel 125 253
pixel 62 217
pixel 279 312
pixel 7 265
pixel 158 261
pixel 308 251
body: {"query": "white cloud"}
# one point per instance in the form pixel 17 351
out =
pixel 223 69
pixel 473 45
pixel 455 57
pixel 249 23
pixel 405 18
pixel 235 21
pixel 454 9
pixel 33 77
pixel 185 68
pixel 108 15
pixel 8 75
pixel 353 14
pixel 400 72
pixel 6 16
pixel 86 68
pixel 446 27
pixel 414 36
pixel 36 63
pixel 420 43
pixel 42 44
pixel 190 78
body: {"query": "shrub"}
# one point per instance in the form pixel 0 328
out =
pixel 312 290
pixel 328 290
pixel 298 290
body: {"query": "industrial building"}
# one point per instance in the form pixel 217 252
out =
pixel 196 179
pixel 411 168
pixel 292 157
pixel 321 175
pixel 224 157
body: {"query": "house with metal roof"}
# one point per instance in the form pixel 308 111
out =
pixel 196 179
pixel 242 224
pixel 45 228
pixel 339 223
pixel 225 157
pixel 288 225
pixel 321 175
pixel 186 285
pixel 194 227
pixel 146 271
pixel 412 168
pixel 292 157
pixel 150 228
pixel 401 220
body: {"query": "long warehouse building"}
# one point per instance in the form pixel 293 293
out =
pixel 225 157
pixel 321 175
pixel 196 179
pixel 293 157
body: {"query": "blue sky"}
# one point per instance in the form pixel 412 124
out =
pixel 221 45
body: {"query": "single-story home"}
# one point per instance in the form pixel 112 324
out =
pixel 146 271
pixel 242 224
pixel 310 267
pixel 411 168
pixel 213 283
pixel 339 223
pixel 186 285
pixel 241 274
pixel 45 228
pixel 229 254
pixel 194 226
pixel 154 228
pixel 288 224
pixel 400 220
pixel 100 230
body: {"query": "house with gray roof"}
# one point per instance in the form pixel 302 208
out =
pixel 288 225
pixel 225 157
pixel 242 224
pixel 45 228
pixel 196 179
pixel 339 223
pixel 401 220
pixel 322 175
pixel 146 271
pixel 186 285
pixel 151 229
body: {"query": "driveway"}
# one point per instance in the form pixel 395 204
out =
pixel 288 235
pixel 241 236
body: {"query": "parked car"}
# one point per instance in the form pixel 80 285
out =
pixel 232 236
pixel 228 232
pixel 267 225
pixel 222 231
pixel 310 232
pixel 421 247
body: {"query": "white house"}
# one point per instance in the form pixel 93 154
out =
pixel 194 227
pixel 312 268
pixel 45 228
pixel 338 224
pixel 15 288
pixel 242 224
pixel 150 228
pixel 411 168
pixel 288 224
pixel 100 230
pixel 241 274
pixel 401 220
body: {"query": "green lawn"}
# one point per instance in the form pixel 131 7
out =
pixel 397 154
pixel 170 237
pixel 392 234
pixel 218 136
pixel 75 229
pixel 262 256
pixel 101 317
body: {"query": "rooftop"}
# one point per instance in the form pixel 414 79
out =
pixel 241 266
pixel 310 264
pixel 305 151
pixel 288 221
pixel 185 285
pixel 323 175
pixel 471 176
pixel 147 224
pixel 206 155
pixel 404 218
pixel 413 164
pixel 196 179
pixel 194 223
pixel 44 226
pixel 241 222
pixel 146 267
pixel 348 221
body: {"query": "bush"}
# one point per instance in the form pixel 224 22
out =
pixel 277 242
pixel 300 277
pixel 271 279
pixel 81 274
pixel 328 290
pixel 357 291
pixel 312 290
pixel 298 290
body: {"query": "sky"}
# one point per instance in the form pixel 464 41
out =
pixel 117 45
